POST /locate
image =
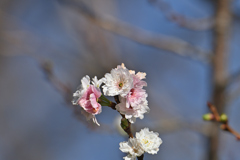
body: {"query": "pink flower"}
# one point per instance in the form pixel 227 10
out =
pixel 135 97
pixel 135 103
pixel 87 97
pixel 88 101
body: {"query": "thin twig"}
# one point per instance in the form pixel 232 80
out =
pixel 224 124
pixel 192 24
pixel 214 111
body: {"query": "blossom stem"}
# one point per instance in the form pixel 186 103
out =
pixel 141 157
pixel 127 129
pixel 106 102
pixel 116 99
pixel 104 98
pixel 112 105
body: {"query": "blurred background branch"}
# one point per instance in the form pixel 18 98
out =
pixel 181 20
pixel 156 40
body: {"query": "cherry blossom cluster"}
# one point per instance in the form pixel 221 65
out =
pixel 120 82
pixel 127 87
pixel 145 141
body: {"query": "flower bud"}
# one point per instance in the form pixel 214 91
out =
pixel 223 118
pixel 208 117
pixel 124 123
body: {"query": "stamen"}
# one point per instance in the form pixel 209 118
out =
pixel 120 85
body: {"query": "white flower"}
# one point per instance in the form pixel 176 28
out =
pixel 149 140
pixel 129 157
pixel 97 83
pixel 145 141
pixel 118 82
pixel 132 147
pixel 85 83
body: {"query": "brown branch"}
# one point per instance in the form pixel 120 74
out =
pixel 235 133
pixel 159 41
pixel 219 67
pixel 224 124
pixel 116 99
pixel 214 111
pixel 181 20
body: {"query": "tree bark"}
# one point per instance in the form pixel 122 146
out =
pixel 219 66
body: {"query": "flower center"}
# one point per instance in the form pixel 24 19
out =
pixel 145 141
pixel 135 150
pixel 120 84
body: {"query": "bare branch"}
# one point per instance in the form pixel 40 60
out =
pixel 219 64
pixel 181 20
pixel 159 41
pixel 224 124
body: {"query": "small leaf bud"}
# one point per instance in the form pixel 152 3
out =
pixel 208 117
pixel 223 118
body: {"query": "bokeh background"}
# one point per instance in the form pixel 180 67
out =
pixel 47 46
